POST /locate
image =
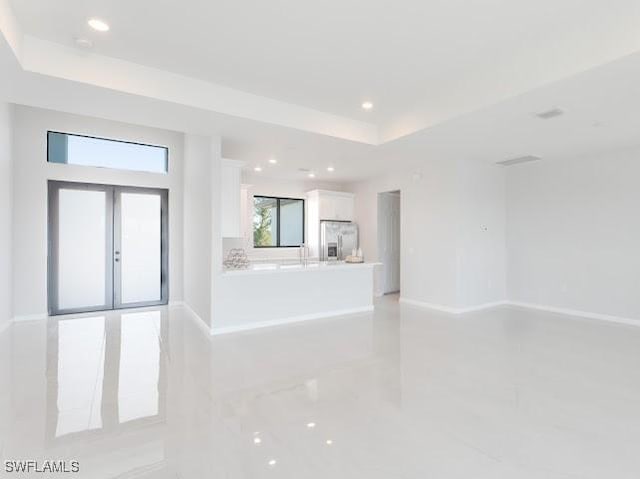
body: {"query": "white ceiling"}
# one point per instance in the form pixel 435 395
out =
pixel 480 114
pixel 420 61
pixel 602 113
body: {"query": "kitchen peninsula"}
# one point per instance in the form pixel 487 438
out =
pixel 291 241
pixel 278 293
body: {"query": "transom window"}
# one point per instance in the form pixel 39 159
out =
pixel 72 149
pixel 277 222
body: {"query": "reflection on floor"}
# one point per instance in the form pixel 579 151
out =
pixel 400 392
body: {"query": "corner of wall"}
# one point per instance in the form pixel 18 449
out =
pixel 197 241
pixel 6 214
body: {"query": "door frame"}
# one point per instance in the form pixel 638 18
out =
pixel 112 293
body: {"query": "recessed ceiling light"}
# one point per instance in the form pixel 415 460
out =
pixel 518 160
pixel 273 462
pixel 311 425
pixel 273 161
pixel 257 440
pixel 98 25
pixel 548 114
pixel 367 105
pixel 257 168
pixel 329 442
pixel 311 175
pixel 330 169
pixel 83 43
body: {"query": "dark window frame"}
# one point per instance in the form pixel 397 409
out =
pixel 79 135
pixel 278 199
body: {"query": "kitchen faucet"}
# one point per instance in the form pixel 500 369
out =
pixel 303 253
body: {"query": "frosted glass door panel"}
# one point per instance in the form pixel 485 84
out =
pixel 140 250
pixel 82 249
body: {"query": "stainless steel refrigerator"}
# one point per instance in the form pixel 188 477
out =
pixel 337 239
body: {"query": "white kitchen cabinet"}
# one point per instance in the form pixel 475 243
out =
pixel 231 198
pixel 332 205
pixel 342 208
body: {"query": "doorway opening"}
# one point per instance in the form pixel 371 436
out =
pixel 389 204
pixel 108 247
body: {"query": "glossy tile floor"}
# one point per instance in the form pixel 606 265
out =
pixel 399 393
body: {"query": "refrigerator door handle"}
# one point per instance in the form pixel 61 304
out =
pixel 339 247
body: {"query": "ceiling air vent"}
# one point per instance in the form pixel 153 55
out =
pixel 518 160
pixel 547 115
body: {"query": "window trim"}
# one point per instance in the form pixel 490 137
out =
pixel 80 135
pixel 278 199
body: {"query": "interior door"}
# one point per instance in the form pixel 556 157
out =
pixel 108 247
pixel 394 244
pixel 389 240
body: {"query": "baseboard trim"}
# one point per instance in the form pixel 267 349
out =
pixel 480 307
pixel 5 326
pixel 576 313
pixel 30 317
pixel 425 305
pixel 540 307
pixel 448 309
pixel 289 320
pixel 196 317
pixel 22 319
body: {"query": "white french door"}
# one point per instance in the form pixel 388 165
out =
pixel 108 247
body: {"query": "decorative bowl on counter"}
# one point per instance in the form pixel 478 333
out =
pixel 236 259
pixel 354 259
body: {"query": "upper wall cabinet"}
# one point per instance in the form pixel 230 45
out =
pixel 332 205
pixel 231 198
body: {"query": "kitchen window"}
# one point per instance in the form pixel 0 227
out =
pixel 277 222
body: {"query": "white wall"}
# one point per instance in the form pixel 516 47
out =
pixel 215 224
pixel 5 216
pixel 481 234
pixel 427 238
pixel 574 233
pixel 6 288
pixel 198 212
pixel 447 259
pixel 202 225
pixel 31 172
pixel 259 185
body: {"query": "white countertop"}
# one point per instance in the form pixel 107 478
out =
pixel 292 267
